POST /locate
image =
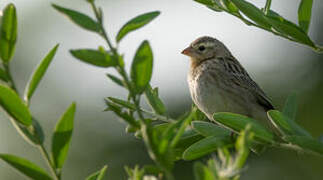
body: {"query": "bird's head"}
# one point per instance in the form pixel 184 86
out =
pixel 205 48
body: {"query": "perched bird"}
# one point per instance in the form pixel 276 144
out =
pixel 218 82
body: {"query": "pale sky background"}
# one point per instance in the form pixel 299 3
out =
pixel 274 62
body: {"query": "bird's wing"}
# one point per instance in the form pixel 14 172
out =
pixel 241 78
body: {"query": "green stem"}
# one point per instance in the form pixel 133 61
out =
pixel 11 81
pixel 267 6
pixel 49 162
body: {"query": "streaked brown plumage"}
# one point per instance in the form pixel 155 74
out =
pixel 218 82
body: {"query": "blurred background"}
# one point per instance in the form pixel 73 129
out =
pixel 278 65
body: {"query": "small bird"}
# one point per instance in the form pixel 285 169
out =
pixel 218 82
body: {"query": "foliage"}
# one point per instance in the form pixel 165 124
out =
pixel 268 19
pixel 168 140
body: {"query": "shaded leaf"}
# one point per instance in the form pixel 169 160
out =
pixel 80 19
pixel 308 143
pixel 252 12
pixel 3 75
pixel 142 67
pixel 123 103
pixel 136 23
pixel 239 122
pixel 290 107
pixel 288 28
pixel 34 134
pixel 8 32
pixel 209 129
pixel 14 106
pixel 154 101
pixel 285 125
pixel 62 136
pixel 38 74
pixel 26 167
pixel 94 57
pixel 205 146
pixel 124 115
pixel 115 79
pixel 98 175
pixel 304 14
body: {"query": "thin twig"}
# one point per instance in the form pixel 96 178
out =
pixel 267 6
pixel 49 162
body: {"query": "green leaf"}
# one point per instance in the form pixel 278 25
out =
pixel 252 12
pixel 94 57
pixel 14 106
pixel 202 172
pixel 310 144
pixel 115 79
pixel 304 14
pixel 26 167
pixel 142 67
pixel 80 19
pixel 288 28
pixel 285 125
pixel 38 74
pixel 62 136
pixel 98 175
pixel 3 75
pixel 209 129
pixel 124 115
pixel 123 103
pixel 136 23
pixel 205 146
pixel 239 122
pixel 8 32
pixel 154 101
pixel 290 107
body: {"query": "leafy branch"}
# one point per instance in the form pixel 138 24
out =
pixel 187 137
pixel 269 20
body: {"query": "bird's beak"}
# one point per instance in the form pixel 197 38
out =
pixel 188 51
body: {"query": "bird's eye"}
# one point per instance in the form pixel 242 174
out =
pixel 201 48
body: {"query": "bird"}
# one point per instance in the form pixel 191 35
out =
pixel 219 83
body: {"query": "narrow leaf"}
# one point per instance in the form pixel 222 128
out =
pixel 285 125
pixel 205 146
pixel 136 23
pixel 94 57
pixel 154 101
pixel 26 167
pixel 8 33
pixel 252 12
pixel 142 67
pixel 80 19
pixel 288 28
pixel 304 14
pixel 123 103
pixel 62 136
pixel 239 122
pixel 14 106
pixel 38 74
pixel 115 79
pixel 3 75
pixel 99 175
pixel 290 107
pixel 209 129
